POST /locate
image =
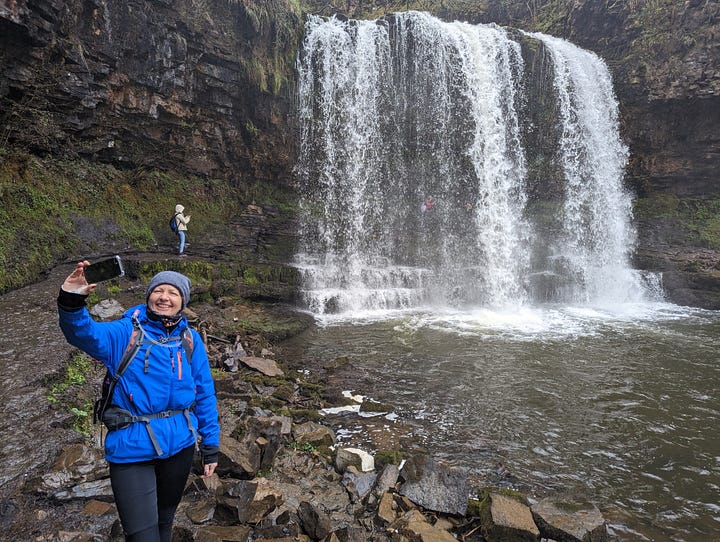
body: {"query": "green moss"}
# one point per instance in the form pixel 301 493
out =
pixel 271 66
pixel 74 374
pixel 312 390
pixel 250 277
pixel 103 291
pixel 51 208
pixel 255 72
pixel 284 392
pixel 474 508
pixel 69 390
pixel 387 457
pixel 657 206
pixel 696 220
pixel 83 419
pixel 304 415
pixel 307 447
pixel 551 17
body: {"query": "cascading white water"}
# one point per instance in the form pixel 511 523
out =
pixel 598 237
pixel 401 108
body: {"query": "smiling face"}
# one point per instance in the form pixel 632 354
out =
pixel 165 300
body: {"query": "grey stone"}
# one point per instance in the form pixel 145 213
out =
pixel 434 486
pixel 314 521
pixel 570 519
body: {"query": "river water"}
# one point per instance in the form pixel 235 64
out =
pixel 616 403
pixel 573 374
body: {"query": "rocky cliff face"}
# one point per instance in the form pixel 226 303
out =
pixel 193 84
pixel 206 86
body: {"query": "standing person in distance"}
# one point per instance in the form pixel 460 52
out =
pixel 173 397
pixel 182 222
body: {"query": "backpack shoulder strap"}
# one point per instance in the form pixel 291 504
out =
pixel 136 338
pixel 188 343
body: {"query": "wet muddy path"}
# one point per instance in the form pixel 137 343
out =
pixel 32 349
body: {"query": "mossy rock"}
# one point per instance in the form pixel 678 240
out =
pixel 387 457
pixel 373 406
pixel 304 415
pixel 284 392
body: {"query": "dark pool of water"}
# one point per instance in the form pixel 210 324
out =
pixel 619 406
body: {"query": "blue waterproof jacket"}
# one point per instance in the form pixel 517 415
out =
pixel 165 381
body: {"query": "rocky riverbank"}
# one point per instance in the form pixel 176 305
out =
pixel 283 473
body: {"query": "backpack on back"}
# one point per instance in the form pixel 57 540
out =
pixel 173 223
pixel 137 339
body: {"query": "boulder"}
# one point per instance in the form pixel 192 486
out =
pixel 97 489
pixel 434 486
pixel 237 459
pixel 359 459
pixel 570 519
pixel 414 526
pixel 107 309
pixel 358 484
pixel 247 502
pixel 266 366
pixel 195 483
pixel 75 464
pixel 386 510
pixel 314 521
pixel 201 512
pixel 508 519
pixel 314 434
pixel 387 480
pixel 266 435
pixel 217 533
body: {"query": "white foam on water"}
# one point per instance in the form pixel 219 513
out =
pixel 524 322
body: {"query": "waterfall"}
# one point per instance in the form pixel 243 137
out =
pixel 598 238
pixel 398 109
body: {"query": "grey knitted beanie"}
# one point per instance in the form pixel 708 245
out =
pixel 173 278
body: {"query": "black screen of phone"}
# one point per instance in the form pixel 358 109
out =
pixel 103 270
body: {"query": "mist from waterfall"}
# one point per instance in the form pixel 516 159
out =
pixel 394 110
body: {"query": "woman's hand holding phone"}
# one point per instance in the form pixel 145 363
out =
pixel 85 276
pixel 76 282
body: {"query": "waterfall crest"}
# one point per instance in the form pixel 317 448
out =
pixel 397 110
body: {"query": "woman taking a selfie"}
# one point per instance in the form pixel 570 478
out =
pixel 161 403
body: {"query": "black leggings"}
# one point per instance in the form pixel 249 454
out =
pixel 148 493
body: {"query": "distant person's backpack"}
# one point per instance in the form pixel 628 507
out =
pixel 173 223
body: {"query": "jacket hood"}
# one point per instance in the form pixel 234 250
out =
pixel 179 208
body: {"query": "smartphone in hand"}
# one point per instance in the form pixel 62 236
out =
pixel 103 270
